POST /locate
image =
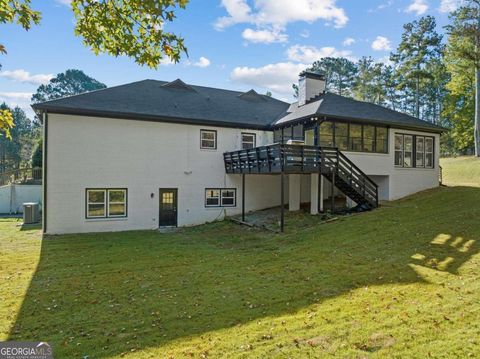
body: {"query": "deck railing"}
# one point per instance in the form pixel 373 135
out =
pixel 290 159
pixel 21 175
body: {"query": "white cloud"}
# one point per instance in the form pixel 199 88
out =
pixel 419 7
pixel 21 75
pixel 381 43
pixel 264 36
pixel 278 13
pixel 447 6
pixel 348 41
pixel 309 54
pixel 64 2
pixel 277 77
pixel 17 96
pixel 382 6
pixel 305 34
pixel 202 62
pixel 18 99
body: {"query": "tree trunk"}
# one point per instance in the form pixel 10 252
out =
pixel 477 112
pixel 417 98
pixel 477 92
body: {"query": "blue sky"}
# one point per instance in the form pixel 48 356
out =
pixel 234 44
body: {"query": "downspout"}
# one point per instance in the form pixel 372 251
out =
pixel 44 171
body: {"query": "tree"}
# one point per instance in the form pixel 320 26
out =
pixel 464 45
pixel 420 43
pixel 69 83
pixel 38 155
pixel 339 74
pixel 363 89
pixel 134 28
pixel 18 149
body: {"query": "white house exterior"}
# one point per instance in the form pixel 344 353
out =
pixel 115 171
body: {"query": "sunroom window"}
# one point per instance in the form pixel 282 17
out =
pixel 398 150
pixel 407 150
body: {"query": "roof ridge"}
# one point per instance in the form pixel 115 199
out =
pixel 86 93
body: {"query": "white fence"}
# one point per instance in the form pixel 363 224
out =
pixel 13 196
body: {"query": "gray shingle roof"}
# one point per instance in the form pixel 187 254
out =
pixel 335 106
pixel 182 103
pixel 173 102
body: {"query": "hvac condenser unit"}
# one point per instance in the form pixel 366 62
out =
pixel 31 213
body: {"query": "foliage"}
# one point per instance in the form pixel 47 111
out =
pixel 464 48
pixel 69 83
pixel 18 12
pixel 134 28
pixel 37 156
pixel 17 150
pixel 401 281
pixel 339 74
pixel 6 123
pixel 420 44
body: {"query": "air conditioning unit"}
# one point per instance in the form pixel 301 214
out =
pixel 31 213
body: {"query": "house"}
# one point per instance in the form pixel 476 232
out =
pixel 155 153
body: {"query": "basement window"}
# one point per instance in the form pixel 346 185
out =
pixel 208 139
pixel 228 197
pixel 106 203
pixel 220 197
pixel 212 197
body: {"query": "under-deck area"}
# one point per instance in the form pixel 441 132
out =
pixel 323 165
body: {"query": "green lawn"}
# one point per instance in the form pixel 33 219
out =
pixel 401 281
pixel 461 171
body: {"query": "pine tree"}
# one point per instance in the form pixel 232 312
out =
pixel 464 45
pixel 420 43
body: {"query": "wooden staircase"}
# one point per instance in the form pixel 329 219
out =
pixel 288 159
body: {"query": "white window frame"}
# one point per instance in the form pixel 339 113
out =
pixel 417 152
pixel 395 150
pixel 415 139
pixel 432 152
pixel 253 141
pixel 234 197
pixel 214 141
pixel 106 202
pixel 124 202
pixel 410 151
pixel 89 190
pixel 207 196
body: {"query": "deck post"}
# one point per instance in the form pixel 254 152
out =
pixel 282 201
pixel 320 182
pixel 243 197
pixel 332 193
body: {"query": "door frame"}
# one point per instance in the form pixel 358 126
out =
pixel 175 196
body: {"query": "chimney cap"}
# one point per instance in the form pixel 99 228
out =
pixel 312 75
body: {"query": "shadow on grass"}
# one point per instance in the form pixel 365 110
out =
pixel 105 294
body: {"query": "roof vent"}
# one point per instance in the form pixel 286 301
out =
pixel 251 95
pixel 179 85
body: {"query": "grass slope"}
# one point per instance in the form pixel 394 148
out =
pixel 401 281
pixel 461 171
